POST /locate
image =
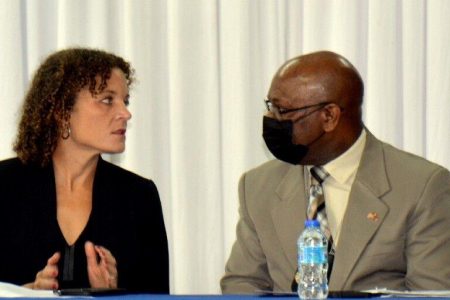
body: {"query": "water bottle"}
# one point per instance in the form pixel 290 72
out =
pixel 312 246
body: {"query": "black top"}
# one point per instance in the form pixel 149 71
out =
pixel 126 218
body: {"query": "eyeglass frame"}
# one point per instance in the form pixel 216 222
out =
pixel 279 113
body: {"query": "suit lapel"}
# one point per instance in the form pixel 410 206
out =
pixel 356 232
pixel 288 214
pixel 359 223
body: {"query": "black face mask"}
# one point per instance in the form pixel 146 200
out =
pixel 278 138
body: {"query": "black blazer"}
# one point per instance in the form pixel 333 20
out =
pixel 126 218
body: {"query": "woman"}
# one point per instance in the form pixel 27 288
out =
pixel 69 219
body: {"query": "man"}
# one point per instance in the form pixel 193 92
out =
pixel 388 211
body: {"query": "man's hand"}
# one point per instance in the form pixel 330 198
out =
pixel 46 278
pixel 101 266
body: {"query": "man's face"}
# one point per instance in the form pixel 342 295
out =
pixel 299 92
pixel 98 123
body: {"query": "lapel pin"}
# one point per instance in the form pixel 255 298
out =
pixel 372 216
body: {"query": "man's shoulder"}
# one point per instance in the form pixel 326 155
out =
pixel 407 161
pixel 271 167
pixel 269 175
pixel 395 157
pixel 383 161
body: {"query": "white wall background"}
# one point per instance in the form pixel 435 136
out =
pixel 204 67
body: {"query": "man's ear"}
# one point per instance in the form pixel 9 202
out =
pixel 331 114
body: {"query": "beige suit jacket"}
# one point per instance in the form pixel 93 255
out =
pixel 406 248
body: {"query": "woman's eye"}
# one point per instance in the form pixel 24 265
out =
pixel 107 100
pixel 126 102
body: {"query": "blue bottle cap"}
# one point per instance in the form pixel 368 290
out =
pixel 312 223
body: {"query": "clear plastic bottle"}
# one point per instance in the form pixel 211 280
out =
pixel 312 247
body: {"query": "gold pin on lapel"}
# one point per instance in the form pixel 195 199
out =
pixel 372 216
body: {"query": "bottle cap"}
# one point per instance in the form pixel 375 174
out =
pixel 312 223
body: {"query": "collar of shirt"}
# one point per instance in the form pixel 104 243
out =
pixel 343 168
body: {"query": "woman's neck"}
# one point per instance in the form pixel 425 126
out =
pixel 74 169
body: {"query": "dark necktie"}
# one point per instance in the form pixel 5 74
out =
pixel 316 210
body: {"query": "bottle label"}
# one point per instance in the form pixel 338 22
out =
pixel 313 255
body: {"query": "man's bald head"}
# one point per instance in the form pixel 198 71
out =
pixel 333 73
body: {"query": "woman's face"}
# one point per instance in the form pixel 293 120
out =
pixel 98 123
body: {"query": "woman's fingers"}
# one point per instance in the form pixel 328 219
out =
pixel 102 272
pixel 46 279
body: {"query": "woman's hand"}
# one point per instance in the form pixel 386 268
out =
pixel 102 272
pixel 46 278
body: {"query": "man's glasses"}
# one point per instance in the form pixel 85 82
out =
pixel 279 112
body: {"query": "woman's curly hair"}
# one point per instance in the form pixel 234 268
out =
pixel 50 98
